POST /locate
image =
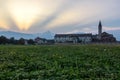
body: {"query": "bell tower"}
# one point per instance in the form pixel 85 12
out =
pixel 99 30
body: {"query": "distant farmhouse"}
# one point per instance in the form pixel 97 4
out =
pixel 39 41
pixel 85 38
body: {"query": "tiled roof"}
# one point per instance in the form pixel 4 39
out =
pixel 73 35
pixel 38 38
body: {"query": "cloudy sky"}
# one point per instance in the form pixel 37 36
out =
pixel 59 16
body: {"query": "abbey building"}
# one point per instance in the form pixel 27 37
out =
pixel 85 38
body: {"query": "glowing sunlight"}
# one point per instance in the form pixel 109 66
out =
pixel 24 14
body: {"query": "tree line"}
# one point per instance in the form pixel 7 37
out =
pixel 12 40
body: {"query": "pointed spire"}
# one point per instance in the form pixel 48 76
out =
pixel 100 24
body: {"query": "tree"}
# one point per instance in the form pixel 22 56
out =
pixel 12 40
pixel 31 41
pixel 3 40
pixel 21 41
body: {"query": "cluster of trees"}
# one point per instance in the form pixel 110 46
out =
pixel 12 40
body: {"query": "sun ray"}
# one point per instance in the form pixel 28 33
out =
pixel 24 14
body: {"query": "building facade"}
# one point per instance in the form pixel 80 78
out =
pixel 73 38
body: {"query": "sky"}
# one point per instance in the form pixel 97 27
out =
pixel 59 16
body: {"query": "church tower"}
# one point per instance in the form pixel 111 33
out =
pixel 99 30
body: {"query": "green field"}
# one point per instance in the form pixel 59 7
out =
pixel 60 62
